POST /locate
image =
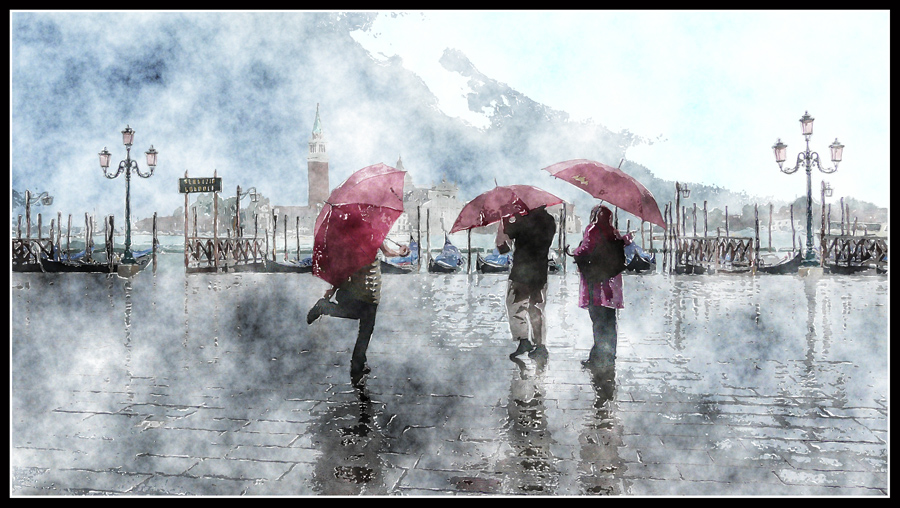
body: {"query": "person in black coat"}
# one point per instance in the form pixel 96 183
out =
pixel 531 235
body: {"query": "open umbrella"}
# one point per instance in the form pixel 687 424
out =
pixel 355 220
pixel 611 185
pixel 501 201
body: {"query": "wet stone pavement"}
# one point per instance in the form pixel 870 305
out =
pixel 214 385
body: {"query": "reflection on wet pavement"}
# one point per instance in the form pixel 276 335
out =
pixel 214 385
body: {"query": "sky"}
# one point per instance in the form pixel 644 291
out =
pixel 713 89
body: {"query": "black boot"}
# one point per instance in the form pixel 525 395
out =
pixel 315 311
pixel 524 347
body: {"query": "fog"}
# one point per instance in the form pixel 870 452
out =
pixel 182 380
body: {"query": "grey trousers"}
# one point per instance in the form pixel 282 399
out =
pixel 525 306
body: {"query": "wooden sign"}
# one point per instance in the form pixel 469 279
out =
pixel 188 185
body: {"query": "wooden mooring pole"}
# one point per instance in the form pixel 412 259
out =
pixel 186 256
pixel 419 238
pixel 793 234
pixel 155 244
pixel 216 224
pixel 469 250
pixel 705 221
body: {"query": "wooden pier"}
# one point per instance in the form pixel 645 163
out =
pixel 28 251
pixel 854 252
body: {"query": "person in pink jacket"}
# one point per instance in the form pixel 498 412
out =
pixel 603 298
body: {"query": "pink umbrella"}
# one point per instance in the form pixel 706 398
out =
pixel 492 206
pixel 611 185
pixel 355 221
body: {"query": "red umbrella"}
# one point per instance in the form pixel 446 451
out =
pixel 355 220
pixel 610 184
pixel 492 206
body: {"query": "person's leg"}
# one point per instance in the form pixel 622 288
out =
pixel 367 312
pixel 537 300
pixel 346 307
pixel 517 310
pixel 603 320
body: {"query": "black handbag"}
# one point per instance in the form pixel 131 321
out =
pixel 603 262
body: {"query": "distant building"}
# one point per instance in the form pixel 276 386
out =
pixel 317 165
pixel 318 189
pixel 439 202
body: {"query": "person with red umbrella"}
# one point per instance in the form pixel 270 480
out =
pixel 525 224
pixel 350 231
pixel 531 235
pixel 604 296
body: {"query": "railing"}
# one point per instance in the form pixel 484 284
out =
pixel 715 252
pixel 30 250
pixel 210 253
pixel 849 250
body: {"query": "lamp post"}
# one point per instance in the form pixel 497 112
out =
pixel 681 191
pixel 127 166
pixel 254 197
pixel 808 159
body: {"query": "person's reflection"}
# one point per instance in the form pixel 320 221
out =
pixel 349 441
pixel 531 467
pixel 600 470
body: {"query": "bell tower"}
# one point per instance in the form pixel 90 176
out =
pixel 317 165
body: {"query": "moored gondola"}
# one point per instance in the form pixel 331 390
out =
pixel 302 266
pixel 448 261
pixel 82 265
pixel 493 263
pixel 639 261
pixel 786 266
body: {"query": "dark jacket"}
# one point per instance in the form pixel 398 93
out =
pixel 532 235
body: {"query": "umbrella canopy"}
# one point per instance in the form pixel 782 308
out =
pixel 492 206
pixel 355 220
pixel 611 185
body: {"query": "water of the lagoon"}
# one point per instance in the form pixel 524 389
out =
pixel 192 339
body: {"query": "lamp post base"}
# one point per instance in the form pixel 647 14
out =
pixel 810 271
pixel 127 271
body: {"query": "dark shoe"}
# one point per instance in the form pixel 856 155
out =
pixel 539 352
pixel 524 347
pixel 315 312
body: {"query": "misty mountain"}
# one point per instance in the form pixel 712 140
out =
pixel 236 93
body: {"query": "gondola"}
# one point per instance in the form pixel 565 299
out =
pixel 403 264
pixel 448 261
pixel 80 265
pixel 494 262
pixel 302 266
pixel 851 269
pixel 787 266
pixel 639 261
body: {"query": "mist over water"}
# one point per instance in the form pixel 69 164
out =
pixel 220 377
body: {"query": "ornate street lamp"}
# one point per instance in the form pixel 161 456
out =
pixel 808 159
pixel 254 197
pixel 127 166
pixel 681 191
pixel 44 198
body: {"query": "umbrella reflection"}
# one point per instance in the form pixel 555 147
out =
pixel 531 468
pixel 349 440
pixel 600 470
